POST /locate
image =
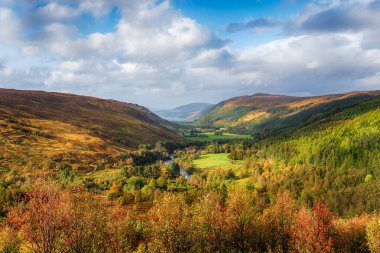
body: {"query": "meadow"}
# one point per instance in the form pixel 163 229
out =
pixel 211 161
pixel 210 136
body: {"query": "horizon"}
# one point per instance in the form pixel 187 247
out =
pixel 164 54
pixel 156 110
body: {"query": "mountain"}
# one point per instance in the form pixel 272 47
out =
pixel 188 112
pixel 39 127
pixel 347 139
pixel 265 114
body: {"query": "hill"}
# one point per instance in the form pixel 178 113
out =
pixel 188 112
pixel 336 158
pixel 348 139
pixel 264 114
pixel 39 129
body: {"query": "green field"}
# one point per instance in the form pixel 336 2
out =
pixel 211 161
pixel 206 136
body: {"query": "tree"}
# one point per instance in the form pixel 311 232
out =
pixel 41 217
pixel 242 225
pixel 373 234
pixel 173 170
pixel 210 224
pixel 87 230
pixel 312 230
pixel 277 221
pixel 170 220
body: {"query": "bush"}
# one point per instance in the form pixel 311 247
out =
pixel 349 235
pixel 170 223
pixel 42 216
pixel 373 234
pixel 312 230
pixel 9 241
pixel 276 223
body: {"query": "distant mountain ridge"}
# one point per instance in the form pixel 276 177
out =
pixel 264 114
pixel 189 112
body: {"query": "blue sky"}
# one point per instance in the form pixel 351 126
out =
pixel 166 53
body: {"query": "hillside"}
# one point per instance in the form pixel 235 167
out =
pixel 348 139
pixel 265 114
pixel 39 129
pixel 189 112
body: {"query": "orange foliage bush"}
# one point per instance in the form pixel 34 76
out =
pixel 277 221
pixel 312 230
pixel 373 234
pixel 349 235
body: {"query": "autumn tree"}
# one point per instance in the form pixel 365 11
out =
pixel 241 221
pixel 210 224
pixel 277 221
pixel 373 234
pixel 312 230
pixel 349 235
pixel 170 220
pixel 87 230
pixel 41 217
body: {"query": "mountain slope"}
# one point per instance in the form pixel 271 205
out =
pixel 188 112
pixel 336 159
pixel 40 127
pixel 348 139
pixel 264 114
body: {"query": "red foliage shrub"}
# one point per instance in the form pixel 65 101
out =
pixel 276 223
pixel 41 217
pixel 209 224
pixel 312 230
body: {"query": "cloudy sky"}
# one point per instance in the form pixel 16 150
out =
pixel 162 53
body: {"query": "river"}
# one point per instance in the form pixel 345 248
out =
pixel 183 172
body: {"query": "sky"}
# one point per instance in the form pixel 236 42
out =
pixel 165 53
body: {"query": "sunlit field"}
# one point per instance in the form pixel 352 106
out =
pixel 211 161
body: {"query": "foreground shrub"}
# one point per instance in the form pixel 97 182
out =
pixel 41 217
pixel 373 234
pixel 9 241
pixel 87 229
pixel 170 223
pixel 128 231
pixel 210 224
pixel 276 223
pixel 242 222
pixel 312 230
pixel 349 235
pixel 49 219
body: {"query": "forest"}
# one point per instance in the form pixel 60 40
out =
pixel 313 188
pixel 262 205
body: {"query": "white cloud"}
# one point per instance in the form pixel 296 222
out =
pixel 11 26
pixel 56 12
pixel 157 55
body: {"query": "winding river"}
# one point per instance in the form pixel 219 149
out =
pixel 183 172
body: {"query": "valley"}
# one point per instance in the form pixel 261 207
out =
pixel 262 164
pixel 189 126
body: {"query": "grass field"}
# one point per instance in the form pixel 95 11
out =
pixel 206 136
pixel 211 161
